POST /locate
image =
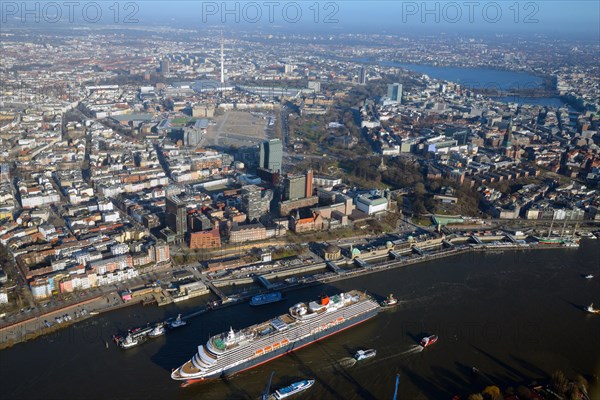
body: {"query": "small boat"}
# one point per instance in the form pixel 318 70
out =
pixel 158 330
pixel 390 301
pixel 571 244
pixel 591 309
pixel 293 389
pixel 261 299
pixel 589 276
pixel 177 323
pixel 364 354
pixel 128 342
pixel 428 340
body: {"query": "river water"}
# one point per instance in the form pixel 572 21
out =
pixel 476 78
pixel 516 316
pixel 484 78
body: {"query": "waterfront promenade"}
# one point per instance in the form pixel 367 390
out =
pixel 31 328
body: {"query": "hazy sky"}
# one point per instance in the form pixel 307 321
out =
pixel 565 18
pixel 546 16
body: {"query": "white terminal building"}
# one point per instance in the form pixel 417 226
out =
pixel 371 204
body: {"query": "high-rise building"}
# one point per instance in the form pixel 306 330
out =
pixel 309 183
pixel 294 187
pixel 176 215
pixel 394 93
pixel 362 76
pixel 507 140
pixel 252 202
pixel 271 155
pixel 164 66
pixel 222 60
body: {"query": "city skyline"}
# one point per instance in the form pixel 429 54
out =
pixel 339 160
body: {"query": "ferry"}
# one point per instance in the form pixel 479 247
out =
pixel 428 340
pixel 261 299
pixel 390 301
pixel 364 354
pixel 158 330
pixel 177 323
pixel 231 352
pixel 293 389
pixel 591 309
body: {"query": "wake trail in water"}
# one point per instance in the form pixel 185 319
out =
pixel 345 362
pixel 348 362
pixel 414 349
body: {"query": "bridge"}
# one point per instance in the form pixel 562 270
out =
pixel 447 244
pixel 510 237
pixel 213 288
pixel 265 282
pixel 334 267
pixel 361 263
pixel 476 239
pixel 417 250
pixel 395 255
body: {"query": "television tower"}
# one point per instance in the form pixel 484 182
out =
pixel 222 60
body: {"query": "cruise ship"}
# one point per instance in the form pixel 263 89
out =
pixel 234 351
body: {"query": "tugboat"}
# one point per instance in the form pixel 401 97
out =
pixel 159 330
pixel 591 309
pixel 293 389
pixel 390 301
pixel 177 323
pixel 428 340
pixel 128 342
pixel 364 354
